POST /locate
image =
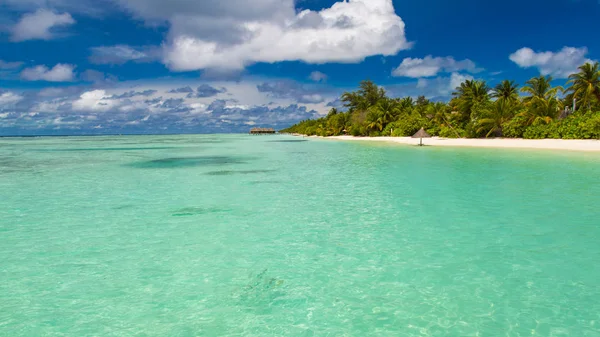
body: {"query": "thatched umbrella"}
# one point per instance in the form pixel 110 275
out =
pixel 421 134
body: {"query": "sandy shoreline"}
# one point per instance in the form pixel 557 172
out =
pixel 588 145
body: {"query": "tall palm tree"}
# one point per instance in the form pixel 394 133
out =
pixel 336 123
pixel 381 114
pixel 406 104
pixel 506 90
pixel 542 104
pixel 468 94
pixel 585 84
pixel 388 107
pixel 376 120
pixel 494 115
pixel 544 111
pixel 438 112
pixel 540 88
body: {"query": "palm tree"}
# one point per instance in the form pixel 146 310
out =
pixel 494 115
pixel 438 113
pixel 468 94
pixel 542 104
pixel 540 88
pixel 389 108
pixel 585 85
pixel 375 120
pixel 336 123
pixel 506 90
pixel 543 111
pixel 406 104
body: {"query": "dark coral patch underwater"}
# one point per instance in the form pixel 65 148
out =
pixel 180 162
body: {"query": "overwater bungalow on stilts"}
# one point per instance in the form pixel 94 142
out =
pixel 262 131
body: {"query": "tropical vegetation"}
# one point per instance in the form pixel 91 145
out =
pixel 536 110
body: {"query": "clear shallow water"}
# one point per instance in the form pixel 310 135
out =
pixel 263 236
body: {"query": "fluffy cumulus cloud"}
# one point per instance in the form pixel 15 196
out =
pixel 233 34
pixel 59 73
pixel 431 66
pixel 559 64
pixel 40 25
pixel 95 100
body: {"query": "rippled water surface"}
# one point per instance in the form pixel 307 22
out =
pixel 236 235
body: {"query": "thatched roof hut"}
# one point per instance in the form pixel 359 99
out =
pixel 421 134
pixel 262 131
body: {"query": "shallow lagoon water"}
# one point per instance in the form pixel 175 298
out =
pixel 234 235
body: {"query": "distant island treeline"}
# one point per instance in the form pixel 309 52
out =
pixel 474 111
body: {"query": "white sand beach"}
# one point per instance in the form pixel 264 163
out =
pixel 588 145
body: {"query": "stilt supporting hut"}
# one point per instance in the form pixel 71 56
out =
pixel 421 134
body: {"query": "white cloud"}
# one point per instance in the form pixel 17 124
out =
pixel 125 104
pixel 198 108
pixel 346 32
pixel 51 106
pixel 9 65
pixel 120 54
pixel 96 100
pixel 559 64
pixel 311 98
pixel 231 34
pixel 7 98
pixel 60 73
pixel 430 66
pixel 40 25
pixel 318 76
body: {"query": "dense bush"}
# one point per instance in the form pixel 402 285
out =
pixel 407 126
pixel 474 111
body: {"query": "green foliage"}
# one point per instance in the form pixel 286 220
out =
pixel 408 125
pixel 514 128
pixel 537 131
pixel 577 126
pixel 473 111
pixel 492 115
pixel 448 132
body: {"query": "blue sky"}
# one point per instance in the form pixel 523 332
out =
pixel 148 66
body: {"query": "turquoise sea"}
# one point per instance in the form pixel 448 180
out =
pixel 236 235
